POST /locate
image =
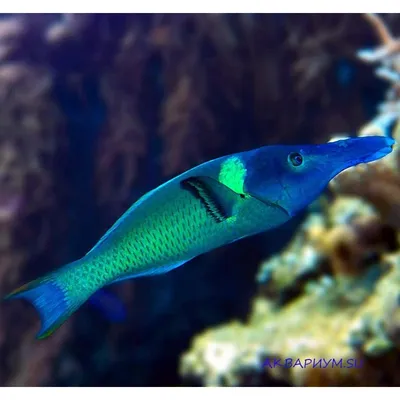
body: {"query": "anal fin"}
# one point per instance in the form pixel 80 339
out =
pixel 150 271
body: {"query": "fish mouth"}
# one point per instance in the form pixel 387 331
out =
pixel 365 149
pixel 384 151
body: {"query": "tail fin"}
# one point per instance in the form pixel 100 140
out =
pixel 53 299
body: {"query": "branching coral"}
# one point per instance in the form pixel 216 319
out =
pixel 379 182
pixel 387 54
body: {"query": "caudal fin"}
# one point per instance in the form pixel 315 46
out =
pixel 52 299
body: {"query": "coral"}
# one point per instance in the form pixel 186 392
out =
pixel 280 273
pixel 338 243
pixel 349 245
pixel 388 53
pixel 378 182
pixel 334 316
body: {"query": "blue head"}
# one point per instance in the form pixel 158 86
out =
pixel 291 177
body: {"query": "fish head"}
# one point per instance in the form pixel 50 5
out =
pixel 291 177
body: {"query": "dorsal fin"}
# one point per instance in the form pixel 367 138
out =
pixel 121 219
pixel 217 199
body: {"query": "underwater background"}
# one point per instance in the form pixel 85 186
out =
pixel 96 110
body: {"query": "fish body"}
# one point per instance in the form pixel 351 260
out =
pixel 209 206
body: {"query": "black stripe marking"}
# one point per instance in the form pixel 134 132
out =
pixel 205 195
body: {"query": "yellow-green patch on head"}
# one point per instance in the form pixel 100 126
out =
pixel 233 173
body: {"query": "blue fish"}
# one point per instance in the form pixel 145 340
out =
pixel 209 206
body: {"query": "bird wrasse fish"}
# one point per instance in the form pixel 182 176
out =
pixel 209 206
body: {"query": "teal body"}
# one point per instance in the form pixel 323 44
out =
pixel 171 225
pixel 209 206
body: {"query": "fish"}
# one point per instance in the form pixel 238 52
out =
pixel 209 206
pixel 109 305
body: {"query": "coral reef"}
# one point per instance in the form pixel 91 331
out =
pixel 333 293
pixel 336 300
pixel 378 183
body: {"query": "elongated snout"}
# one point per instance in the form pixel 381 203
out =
pixel 291 177
pixel 349 152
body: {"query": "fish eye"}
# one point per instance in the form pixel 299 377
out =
pixel 296 159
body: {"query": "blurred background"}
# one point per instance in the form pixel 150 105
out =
pixel 95 110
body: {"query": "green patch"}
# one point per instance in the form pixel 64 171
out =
pixel 232 174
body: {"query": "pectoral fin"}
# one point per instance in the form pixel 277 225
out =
pixel 217 198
